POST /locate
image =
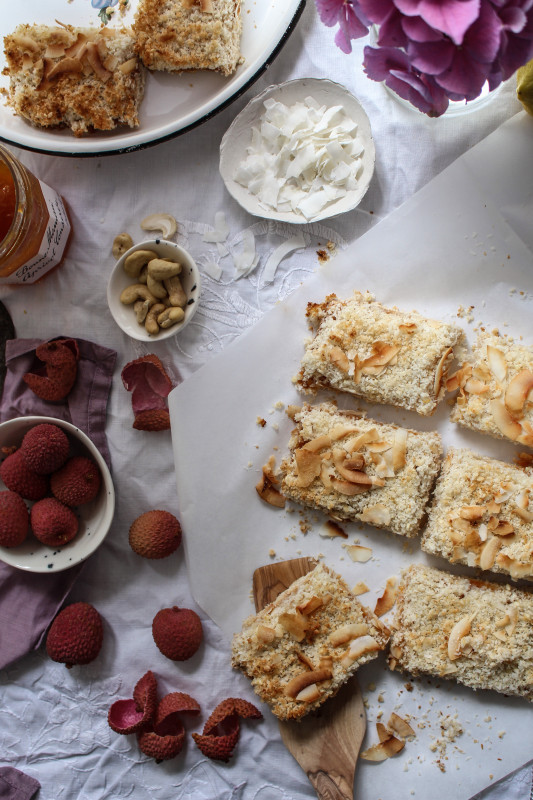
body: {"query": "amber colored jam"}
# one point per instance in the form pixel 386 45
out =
pixel 7 199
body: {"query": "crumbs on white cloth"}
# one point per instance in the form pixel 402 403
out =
pixel 302 157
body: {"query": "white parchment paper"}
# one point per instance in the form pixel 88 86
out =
pixel 464 241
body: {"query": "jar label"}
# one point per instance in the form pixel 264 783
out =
pixel 53 242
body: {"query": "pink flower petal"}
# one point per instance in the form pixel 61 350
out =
pixel 452 17
pixel 391 32
pixel 377 10
pixel 431 58
pixel 419 31
pixel 464 77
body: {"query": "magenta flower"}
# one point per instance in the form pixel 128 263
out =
pixel 433 51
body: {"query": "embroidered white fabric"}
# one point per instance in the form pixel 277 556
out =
pixel 53 721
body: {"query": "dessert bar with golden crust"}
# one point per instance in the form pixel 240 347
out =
pixel 476 632
pixel 354 468
pixel 177 35
pixel 382 355
pixel 481 514
pixel 299 650
pixel 496 389
pixel 85 79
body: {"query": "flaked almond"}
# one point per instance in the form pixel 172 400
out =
pixel 380 752
pixel 294 623
pixel 459 630
pixel 346 633
pixel 265 634
pixel 400 726
pixel 471 512
pixel 350 489
pixel 360 588
pixel 308 465
pixel 488 553
pixel 388 598
pixel 497 363
pixel 517 391
pixel 338 358
pixel 504 421
pixel 359 553
pixel 304 679
pixel 311 605
pixel 441 370
pixel 377 514
pixel 309 694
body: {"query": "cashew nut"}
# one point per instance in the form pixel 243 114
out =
pixel 175 291
pixel 141 309
pixel 171 316
pixel 161 268
pixel 150 323
pixel 137 291
pixel 136 261
pixel 121 243
pixel 156 287
pixel 162 223
pixel 143 275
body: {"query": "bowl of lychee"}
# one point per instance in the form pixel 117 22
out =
pixel 57 499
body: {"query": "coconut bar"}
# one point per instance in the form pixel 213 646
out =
pixel 478 633
pixel 380 354
pixel 299 650
pixel 481 515
pixel 354 468
pixel 494 390
pixel 177 35
pixel 84 79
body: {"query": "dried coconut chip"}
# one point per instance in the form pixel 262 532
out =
pixel 246 260
pixel 387 599
pixel 220 231
pixel 275 258
pixel 385 749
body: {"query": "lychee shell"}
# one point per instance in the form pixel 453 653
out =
pixel 45 448
pixel 76 635
pixel 14 519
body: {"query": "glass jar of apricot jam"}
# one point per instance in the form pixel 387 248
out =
pixel 34 226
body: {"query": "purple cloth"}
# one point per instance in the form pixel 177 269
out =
pixel 30 601
pixel 15 785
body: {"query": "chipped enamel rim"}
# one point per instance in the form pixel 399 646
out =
pixel 238 137
pixel 95 518
pixel 191 281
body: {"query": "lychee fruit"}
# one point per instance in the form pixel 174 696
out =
pixel 14 519
pixel 155 534
pixel 53 523
pixel 177 632
pixel 76 635
pixel 77 482
pixel 18 477
pixel 45 448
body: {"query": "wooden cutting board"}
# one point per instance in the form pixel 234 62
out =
pixel 325 743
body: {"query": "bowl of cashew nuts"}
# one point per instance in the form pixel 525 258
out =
pixel 154 290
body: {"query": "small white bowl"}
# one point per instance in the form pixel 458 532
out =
pixel 237 139
pixel 124 315
pixel 95 518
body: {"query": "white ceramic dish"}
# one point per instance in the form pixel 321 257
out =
pixel 95 518
pixel 236 140
pixel 172 103
pixel 124 315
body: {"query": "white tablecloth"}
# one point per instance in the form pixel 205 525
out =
pixel 53 721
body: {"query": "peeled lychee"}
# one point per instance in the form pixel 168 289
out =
pixel 14 519
pixel 45 448
pixel 77 482
pixel 53 523
pixel 177 632
pixel 155 534
pixel 76 635
pixel 18 477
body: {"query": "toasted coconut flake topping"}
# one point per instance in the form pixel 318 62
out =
pixel 504 421
pixel 309 694
pixel 497 363
pixel 488 553
pixel 360 588
pixel 313 604
pixel 518 390
pixel 346 633
pixel 308 464
pixel 400 726
pixel 399 449
pixel 377 514
pixel 338 358
pixel 441 368
pixel 265 634
pixel 350 489
pixel 388 598
pixel 295 624
pixel 471 512
pixel 459 630
pixel 358 553
pixel 386 749
pixel 304 679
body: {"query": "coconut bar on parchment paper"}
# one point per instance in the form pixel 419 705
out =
pixel 476 632
pixel 382 355
pixel 481 515
pixel 354 468
pixel 494 390
pixel 300 649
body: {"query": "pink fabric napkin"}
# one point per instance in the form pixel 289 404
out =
pixel 15 785
pixel 29 601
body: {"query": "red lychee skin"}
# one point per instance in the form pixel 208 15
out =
pixel 167 720
pixel 132 716
pixel 156 419
pixel 45 448
pixel 145 693
pixel 177 632
pixel 219 748
pixel 53 523
pixel 155 534
pixel 76 635
pixel 14 519
pixel 60 366
pixel 221 730
pixel 160 747
pixel 231 707
pixel 77 483
pixel 18 477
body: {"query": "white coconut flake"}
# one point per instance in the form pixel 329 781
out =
pixel 220 231
pixel 211 268
pixel 302 157
pixel 246 260
pixel 275 258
